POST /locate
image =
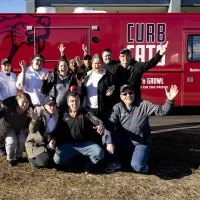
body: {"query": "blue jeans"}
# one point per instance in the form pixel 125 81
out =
pixel 67 151
pixel 139 153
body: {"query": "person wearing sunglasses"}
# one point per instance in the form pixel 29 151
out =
pixel 129 125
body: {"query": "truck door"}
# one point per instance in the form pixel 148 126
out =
pixel 71 37
pixel 191 62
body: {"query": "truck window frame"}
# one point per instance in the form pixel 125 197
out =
pixel 188 41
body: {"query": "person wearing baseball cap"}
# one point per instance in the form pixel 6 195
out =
pixel 44 119
pixel 49 101
pixel 128 70
pixel 7 80
pixel 129 123
pixel 5 60
pixel 133 71
pixel 7 85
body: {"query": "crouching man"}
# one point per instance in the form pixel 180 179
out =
pixel 129 124
pixel 73 138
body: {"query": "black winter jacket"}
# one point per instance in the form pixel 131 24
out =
pixel 9 118
pixel 105 103
pixel 58 88
pixel 133 73
pixel 79 128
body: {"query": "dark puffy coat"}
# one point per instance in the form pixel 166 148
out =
pixel 9 118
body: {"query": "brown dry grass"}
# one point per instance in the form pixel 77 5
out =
pixel 174 175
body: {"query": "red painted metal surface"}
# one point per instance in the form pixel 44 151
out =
pixel 142 33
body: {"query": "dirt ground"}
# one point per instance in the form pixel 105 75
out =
pixel 173 172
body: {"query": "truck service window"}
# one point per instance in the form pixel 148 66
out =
pixel 193 52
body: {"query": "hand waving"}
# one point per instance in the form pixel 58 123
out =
pixel 43 75
pixel 84 47
pixel 61 48
pixel 172 92
pixel 23 65
pixel 33 114
pixel 163 48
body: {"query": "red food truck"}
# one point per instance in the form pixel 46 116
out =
pixel 22 35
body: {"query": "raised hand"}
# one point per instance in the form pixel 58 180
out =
pixel 172 92
pixel 33 114
pixel 163 48
pixel 43 75
pixel 77 59
pixel 84 47
pixel 61 48
pixel 23 65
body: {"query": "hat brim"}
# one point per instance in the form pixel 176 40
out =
pixel 126 87
pixel 50 102
pixel 125 51
pixel 3 63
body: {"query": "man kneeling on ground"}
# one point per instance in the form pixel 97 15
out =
pixel 74 134
pixel 129 124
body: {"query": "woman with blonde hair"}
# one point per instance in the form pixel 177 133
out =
pixel 14 121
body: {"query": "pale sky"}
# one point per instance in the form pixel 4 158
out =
pixel 12 6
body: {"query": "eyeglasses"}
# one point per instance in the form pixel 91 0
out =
pixel 125 94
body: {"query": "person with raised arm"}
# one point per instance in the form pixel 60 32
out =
pixel 129 125
pixel 30 78
pixel 40 145
pixel 128 70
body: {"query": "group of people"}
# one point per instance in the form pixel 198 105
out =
pixel 90 108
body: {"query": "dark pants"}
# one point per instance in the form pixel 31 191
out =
pixel 44 159
pixel 126 150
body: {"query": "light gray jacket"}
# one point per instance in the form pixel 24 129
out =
pixel 134 124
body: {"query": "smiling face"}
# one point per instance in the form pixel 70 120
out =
pixel 97 64
pixel 72 65
pixel 125 59
pixel 73 103
pixel 107 57
pixel 87 62
pixel 23 103
pixel 127 96
pixel 37 63
pixel 6 68
pixel 50 108
pixel 63 68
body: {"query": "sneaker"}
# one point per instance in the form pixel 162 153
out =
pixel 21 160
pixel 12 163
pixel 88 172
pixel 112 167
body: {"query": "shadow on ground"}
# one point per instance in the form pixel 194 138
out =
pixel 175 153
